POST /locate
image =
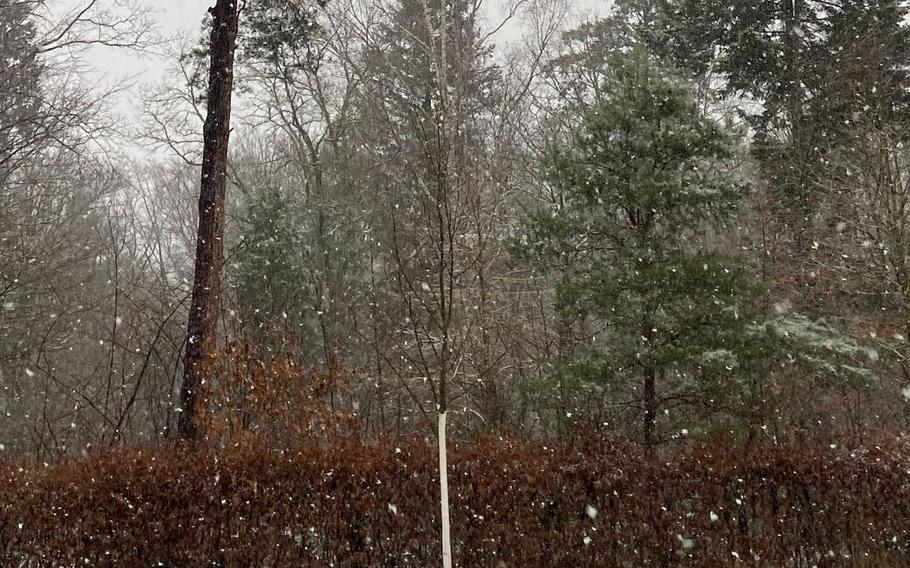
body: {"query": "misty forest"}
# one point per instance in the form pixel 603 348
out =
pixel 456 282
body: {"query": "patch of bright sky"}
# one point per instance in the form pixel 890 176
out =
pixel 181 20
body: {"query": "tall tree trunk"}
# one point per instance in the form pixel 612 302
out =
pixel 650 391
pixel 802 146
pixel 203 319
pixel 650 404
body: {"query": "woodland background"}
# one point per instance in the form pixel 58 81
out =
pixel 768 301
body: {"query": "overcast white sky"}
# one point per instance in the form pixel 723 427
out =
pixel 181 17
pixel 176 18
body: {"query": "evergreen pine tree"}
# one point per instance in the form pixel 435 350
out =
pixel 644 182
pixel 647 187
pixel 809 64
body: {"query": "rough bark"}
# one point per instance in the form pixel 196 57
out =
pixel 650 404
pixel 203 318
pixel 649 397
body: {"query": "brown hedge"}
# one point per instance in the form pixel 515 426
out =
pixel 514 504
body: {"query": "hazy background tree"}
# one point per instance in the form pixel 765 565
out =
pixel 377 184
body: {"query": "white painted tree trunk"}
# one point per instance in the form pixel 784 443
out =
pixel 444 494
